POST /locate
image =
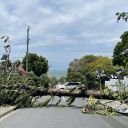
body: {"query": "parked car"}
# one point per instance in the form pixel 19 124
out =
pixel 60 86
pixel 71 85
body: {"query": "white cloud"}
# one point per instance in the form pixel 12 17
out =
pixel 64 23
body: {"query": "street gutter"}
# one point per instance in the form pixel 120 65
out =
pixel 116 105
pixel 4 110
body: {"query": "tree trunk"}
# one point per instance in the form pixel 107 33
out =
pixel 38 91
pixel 75 93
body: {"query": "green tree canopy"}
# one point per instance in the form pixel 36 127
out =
pixel 84 69
pixel 44 81
pixel 120 51
pixel 62 80
pixel 122 15
pixel 53 81
pixel 37 64
pixel 103 64
pixel 74 66
pixel 91 63
pixel 75 77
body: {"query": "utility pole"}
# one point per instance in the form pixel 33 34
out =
pixel 28 39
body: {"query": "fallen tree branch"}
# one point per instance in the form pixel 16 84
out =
pixel 75 93
pixel 39 91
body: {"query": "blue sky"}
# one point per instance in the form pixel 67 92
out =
pixel 62 30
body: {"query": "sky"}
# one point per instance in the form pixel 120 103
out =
pixel 62 30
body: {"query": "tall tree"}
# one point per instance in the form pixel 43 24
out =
pixel 53 81
pixel 37 64
pixel 74 66
pixel 88 65
pixel 62 80
pixel 119 53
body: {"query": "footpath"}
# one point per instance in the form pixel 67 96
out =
pixel 4 110
pixel 116 105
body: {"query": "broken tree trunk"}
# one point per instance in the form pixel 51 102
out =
pixel 39 91
pixel 75 93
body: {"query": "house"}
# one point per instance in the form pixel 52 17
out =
pixel 114 84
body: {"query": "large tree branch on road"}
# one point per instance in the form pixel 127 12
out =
pixel 75 93
pixel 38 91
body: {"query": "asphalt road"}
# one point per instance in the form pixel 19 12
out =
pixel 61 117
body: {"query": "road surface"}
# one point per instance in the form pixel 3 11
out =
pixel 61 117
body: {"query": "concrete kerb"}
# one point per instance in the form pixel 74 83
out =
pixel 6 110
pixel 116 105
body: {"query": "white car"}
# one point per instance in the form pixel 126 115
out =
pixel 71 85
pixel 60 86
